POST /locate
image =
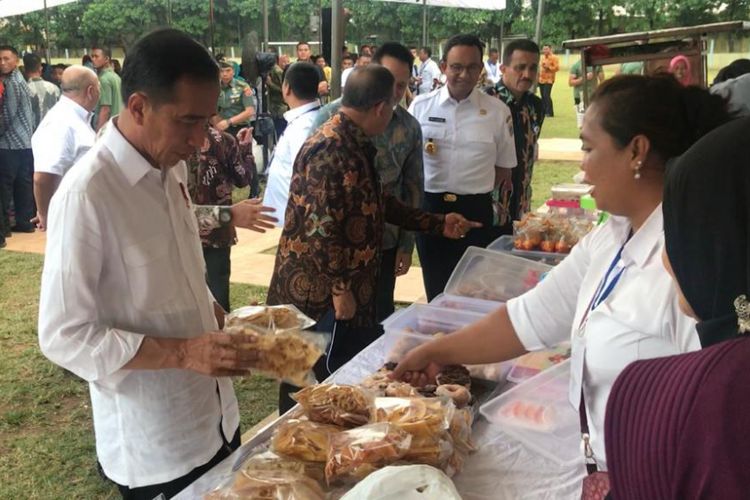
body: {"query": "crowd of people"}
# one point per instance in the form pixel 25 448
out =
pixel 131 172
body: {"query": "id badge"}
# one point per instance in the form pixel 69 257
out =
pixel 577 355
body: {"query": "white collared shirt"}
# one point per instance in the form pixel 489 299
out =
pixel 123 261
pixel 429 71
pixel 299 122
pixel 493 71
pixel 640 319
pixel 471 138
pixel 345 76
pixel 62 138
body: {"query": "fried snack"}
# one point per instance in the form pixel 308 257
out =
pixel 269 485
pixel 377 382
pixel 460 430
pixel 420 417
pixel 344 405
pixel 355 453
pixel 454 374
pixel 529 414
pixel 288 356
pixel 303 440
pixel 270 461
pixel 458 393
pixel 430 450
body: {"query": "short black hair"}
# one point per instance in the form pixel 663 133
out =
pixel 427 51
pixel 350 57
pixel 302 78
pixel 395 50
pixel 302 43
pixel 105 52
pixel 9 48
pixel 735 69
pixel 225 65
pixel 318 57
pixel 464 39
pixel 159 59
pixel 367 87
pixel 60 66
pixel 32 63
pixel 522 45
pixel 493 50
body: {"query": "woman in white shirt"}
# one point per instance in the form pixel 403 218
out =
pixel 611 297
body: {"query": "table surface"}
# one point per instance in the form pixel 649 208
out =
pixel 501 468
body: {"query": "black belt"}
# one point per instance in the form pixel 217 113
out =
pixel 452 197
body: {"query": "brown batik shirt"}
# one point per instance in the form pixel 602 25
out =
pixel 334 224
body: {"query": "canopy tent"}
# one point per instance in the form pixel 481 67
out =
pixel 465 4
pixel 15 7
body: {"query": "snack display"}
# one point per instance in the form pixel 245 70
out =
pixel 344 405
pixel 530 414
pixel 460 430
pixel 549 232
pixel 265 319
pixel 459 394
pixel 303 440
pixel 270 461
pixel 355 453
pixel 454 374
pixel 269 485
pixel 430 450
pixel 381 385
pixel 533 363
pixel 418 416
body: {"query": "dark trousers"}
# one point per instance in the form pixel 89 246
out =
pixel 175 486
pixel 546 91
pixel 439 255
pixel 17 185
pixel 218 269
pixel 386 284
pixel 346 342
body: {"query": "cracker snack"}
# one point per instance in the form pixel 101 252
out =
pixel 344 405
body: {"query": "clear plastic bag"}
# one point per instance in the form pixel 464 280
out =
pixel 268 485
pixel 267 319
pixel 344 405
pixel 355 453
pixel 270 461
pixel 420 417
pixel 303 439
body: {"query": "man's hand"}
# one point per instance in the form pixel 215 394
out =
pixel 219 354
pixel 245 136
pixel 416 368
pixel 403 263
pixel 219 313
pixel 250 214
pixel 344 305
pixel 456 226
pixel 40 222
pixel 323 88
pixel 222 125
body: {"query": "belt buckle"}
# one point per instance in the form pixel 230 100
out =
pixel 450 197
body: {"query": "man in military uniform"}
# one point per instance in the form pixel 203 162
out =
pixel 236 107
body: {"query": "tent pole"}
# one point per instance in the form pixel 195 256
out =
pixel 46 32
pixel 265 25
pixel 538 34
pixel 211 25
pixel 424 23
pixel 337 41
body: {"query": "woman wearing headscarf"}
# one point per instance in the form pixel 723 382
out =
pixel 677 427
pixel 679 66
pixel 611 297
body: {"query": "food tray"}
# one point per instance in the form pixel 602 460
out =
pixel 533 363
pixel 570 191
pixel 539 414
pixel 468 304
pixel 495 276
pixel 505 244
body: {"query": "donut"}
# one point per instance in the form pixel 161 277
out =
pixel 458 393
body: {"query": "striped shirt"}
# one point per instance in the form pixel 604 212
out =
pixel 17 113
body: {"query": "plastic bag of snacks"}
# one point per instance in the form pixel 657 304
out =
pixel 355 453
pixel 344 405
pixel 303 439
pixel 269 460
pixel 267 319
pixel 268 485
pixel 420 417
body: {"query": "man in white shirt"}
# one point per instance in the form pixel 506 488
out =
pixel 124 302
pixel 300 92
pixel 427 72
pixel 64 135
pixel 492 67
pixel 468 152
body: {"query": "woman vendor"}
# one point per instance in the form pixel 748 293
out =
pixel 611 297
pixel 677 427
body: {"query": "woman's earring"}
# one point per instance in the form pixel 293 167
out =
pixel 638 166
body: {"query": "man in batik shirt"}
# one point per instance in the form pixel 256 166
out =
pixel 222 163
pixel 399 165
pixel 519 68
pixel 328 256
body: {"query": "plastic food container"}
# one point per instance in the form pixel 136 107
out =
pixel 505 244
pixel 533 363
pixel 468 304
pixel 538 414
pixel 570 191
pixel 494 276
pixel 418 324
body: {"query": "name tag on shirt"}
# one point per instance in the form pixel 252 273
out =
pixel 436 119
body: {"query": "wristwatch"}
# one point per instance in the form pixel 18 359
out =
pixel 225 215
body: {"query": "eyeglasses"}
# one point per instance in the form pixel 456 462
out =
pixel 457 69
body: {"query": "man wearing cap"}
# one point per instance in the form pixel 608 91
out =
pixel 236 106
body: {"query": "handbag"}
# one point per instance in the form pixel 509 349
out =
pixel 596 483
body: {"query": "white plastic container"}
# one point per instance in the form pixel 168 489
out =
pixel 538 414
pixel 494 276
pixel 468 304
pixel 531 364
pixel 505 244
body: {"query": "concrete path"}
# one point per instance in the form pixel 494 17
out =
pixel 560 149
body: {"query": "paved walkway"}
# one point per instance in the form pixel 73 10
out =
pixel 560 149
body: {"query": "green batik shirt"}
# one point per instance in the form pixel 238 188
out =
pixel 398 162
pixel 234 98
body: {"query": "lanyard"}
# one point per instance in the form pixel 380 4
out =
pixel 605 288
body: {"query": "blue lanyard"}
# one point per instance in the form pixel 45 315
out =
pixel 605 288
